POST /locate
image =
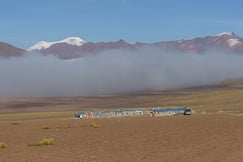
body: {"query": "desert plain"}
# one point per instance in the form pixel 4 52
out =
pixel 213 133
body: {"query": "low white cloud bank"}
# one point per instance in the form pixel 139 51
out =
pixel 114 72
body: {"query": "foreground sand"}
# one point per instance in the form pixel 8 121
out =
pixel 214 137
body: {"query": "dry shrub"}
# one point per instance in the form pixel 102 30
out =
pixel 84 125
pixel 3 145
pixel 15 123
pixel 45 127
pixel 94 125
pixel 45 141
pixel 63 127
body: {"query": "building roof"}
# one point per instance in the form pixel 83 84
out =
pixel 170 109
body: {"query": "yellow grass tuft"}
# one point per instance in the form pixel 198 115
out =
pixel 3 145
pixel 45 141
pixel 63 127
pixel 45 127
pixel 15 123
pixel 94 125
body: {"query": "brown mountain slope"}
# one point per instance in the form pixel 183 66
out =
pixel 7 50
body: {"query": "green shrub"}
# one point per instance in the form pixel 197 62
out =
pixel 3 145
pixel 45 141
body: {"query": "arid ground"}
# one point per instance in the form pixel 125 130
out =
pixel 175 138
pixel 213 133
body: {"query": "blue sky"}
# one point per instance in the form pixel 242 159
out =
pixel 24 22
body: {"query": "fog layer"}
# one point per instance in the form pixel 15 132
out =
pixel 114 72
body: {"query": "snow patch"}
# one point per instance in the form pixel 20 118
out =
pixel 226 33
pixel 76 41
pixel 233 42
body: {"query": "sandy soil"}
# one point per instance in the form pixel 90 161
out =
pixel 176 138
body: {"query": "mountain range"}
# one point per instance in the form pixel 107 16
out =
pixel 74 47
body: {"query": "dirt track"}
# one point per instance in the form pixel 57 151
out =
pixel 176 138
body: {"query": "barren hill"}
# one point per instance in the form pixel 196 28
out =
pixel 7 50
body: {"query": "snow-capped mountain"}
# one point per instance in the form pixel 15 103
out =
pixel 74 47
pixel 226 41
pixel 226 33
pixel 67 51
pixel 42 45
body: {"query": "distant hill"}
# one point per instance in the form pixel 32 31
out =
pixel 7 50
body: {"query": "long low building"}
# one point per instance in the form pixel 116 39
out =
pixel 134 112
